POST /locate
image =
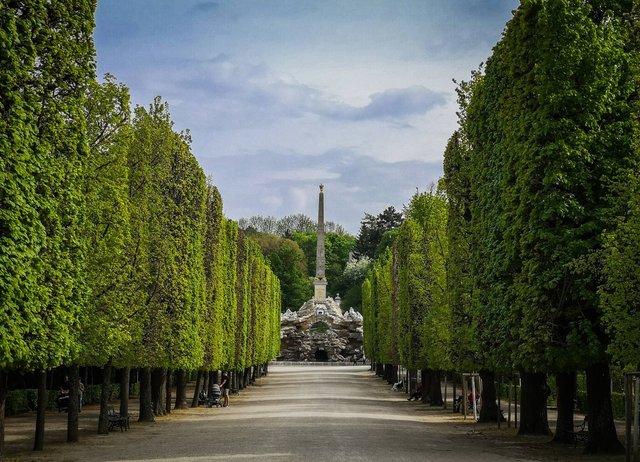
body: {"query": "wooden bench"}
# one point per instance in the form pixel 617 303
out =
pixel 116 420
pixel 580 432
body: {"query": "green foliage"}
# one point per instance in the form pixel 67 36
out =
pixel 544 134
pixel 407 318
pixel 620 292
pixel 21 401
pixel 212 333
pixel 354 274
pixel 107 321
pixel 370 343
pixel 413 299
pixel 428 283
pixel 285 226
pixel 229 294
pixel 47 57
pixel 288 262
pixel 372 230
pixel 169 224
pixel 459 283
pixel 338 247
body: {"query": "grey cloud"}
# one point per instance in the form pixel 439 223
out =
pixel 252 87
pixel 392 104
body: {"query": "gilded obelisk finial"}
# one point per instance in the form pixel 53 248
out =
pixel 320 282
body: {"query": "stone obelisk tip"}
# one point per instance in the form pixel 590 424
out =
pixel 320 282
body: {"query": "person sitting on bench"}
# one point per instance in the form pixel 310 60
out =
pixel 398 385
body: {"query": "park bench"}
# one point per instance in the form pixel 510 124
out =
pixel 116 420
pixel 580 432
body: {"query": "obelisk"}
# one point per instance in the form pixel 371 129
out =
pixel 320 282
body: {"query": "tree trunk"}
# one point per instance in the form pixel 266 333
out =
pixel 533 408
pixel 233 376
pixel 380 369
pixel 158 389
pixel 565 394
pixel 435 391
pixel 3 399
pixel 74 404
pixel 489 410
pixel 105 395
pixel 247 374
pixel 205 381
pixel 239 380
pixel 425 375
pixel 455 397
pixel 38 444
pixel 602 431
pixel 146 410
pixel 196 391
pixel 181 389
pixel 125 376
pixel 168 392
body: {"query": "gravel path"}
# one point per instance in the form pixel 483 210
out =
pixel 298 414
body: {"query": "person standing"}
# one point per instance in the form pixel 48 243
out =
pixel 224 385
pixel 81 394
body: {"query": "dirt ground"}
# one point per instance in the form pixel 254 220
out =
pixel 295 413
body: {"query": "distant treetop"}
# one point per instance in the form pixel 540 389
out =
pixel 285 226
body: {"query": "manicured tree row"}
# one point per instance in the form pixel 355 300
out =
pixel 387 314
pixel 192 268
pixel 621 289
pixel 429 213
pixel 542 188
pixel 115 250
pixel 109 318
pixel 46 60
pixel 536 175
pixel 406 315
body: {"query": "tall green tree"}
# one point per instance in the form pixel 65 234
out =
pixel 169 192
pixel 107 328
pixel 288 262
pixel 109 321
pixel 620 295
pixel 46 60
pixel 212 333
pixel 372 230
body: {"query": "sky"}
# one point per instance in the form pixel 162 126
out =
pixel 280 96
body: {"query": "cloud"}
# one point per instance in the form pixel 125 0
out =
pixel 267 184
pixel 392 104
pixel 228 86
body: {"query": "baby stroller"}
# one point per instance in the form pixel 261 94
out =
pixel 214 396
